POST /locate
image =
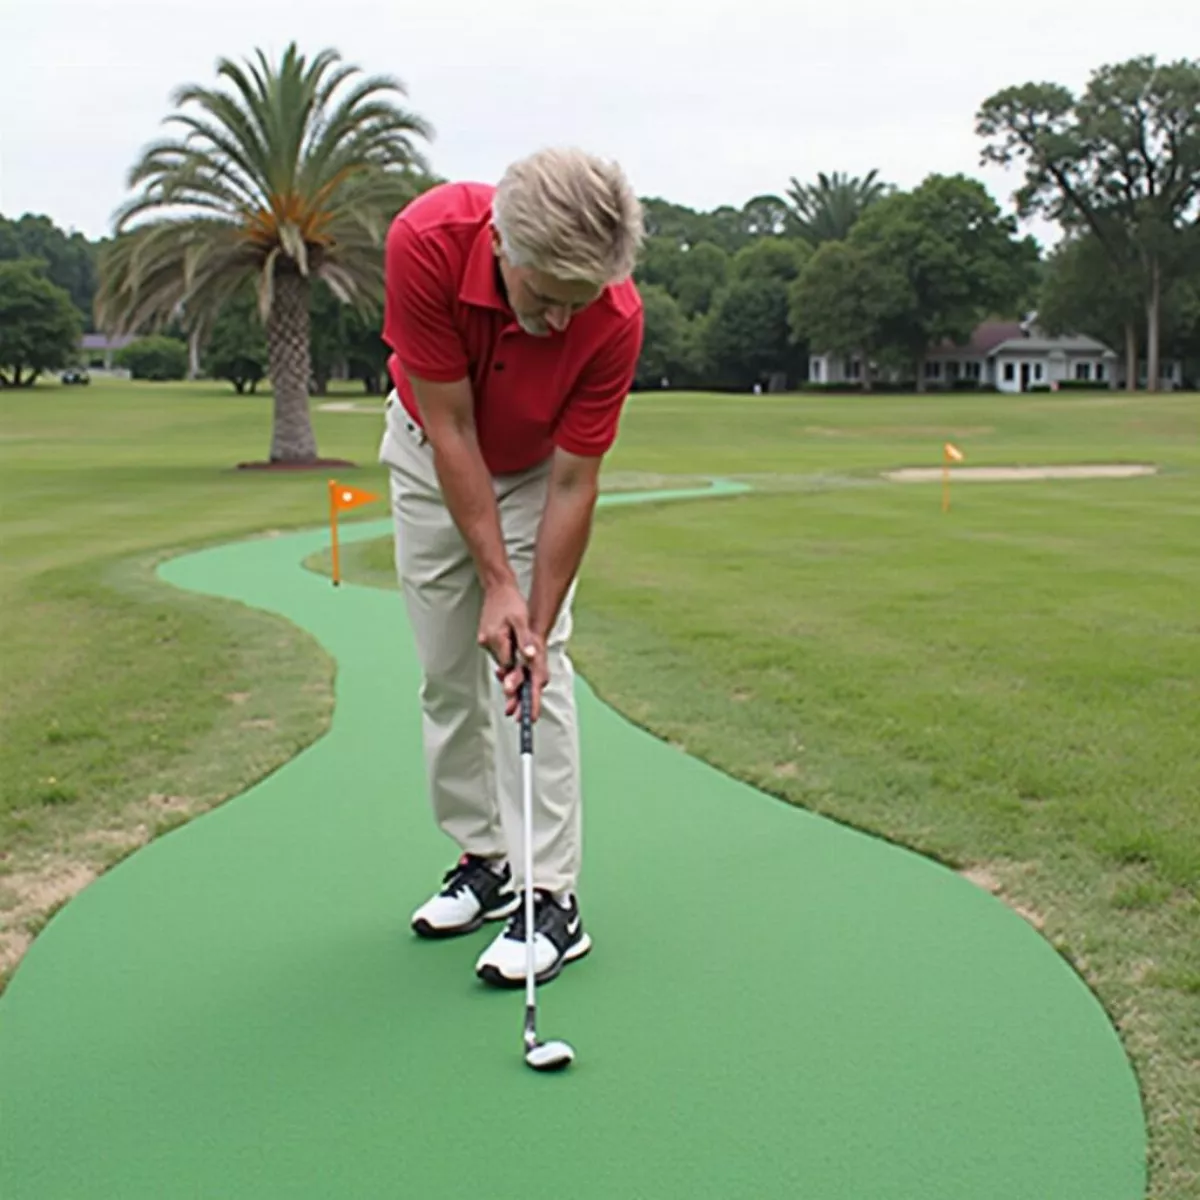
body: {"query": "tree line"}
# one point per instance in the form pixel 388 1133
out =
pixel 275 268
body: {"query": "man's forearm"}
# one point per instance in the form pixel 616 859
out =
pixel 562 539
pixel 467 487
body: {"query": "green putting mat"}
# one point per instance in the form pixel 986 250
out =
pixel 776 1006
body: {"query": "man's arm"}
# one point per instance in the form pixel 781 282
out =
pixel 584 436
pixel 563 535
pixel 447 413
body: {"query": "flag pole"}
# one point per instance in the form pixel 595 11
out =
pixel 334 529
pixel 950 453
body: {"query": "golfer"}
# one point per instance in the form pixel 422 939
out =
pixel 515 330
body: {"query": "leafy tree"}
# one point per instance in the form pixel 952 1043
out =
pixel 726 227
pixel 959 255
pixel 69 259
pixel 827 210
pixel 286 180
pixel 664 344
pixel 703 272
pixel 659 263
pixel 748 338
pixel 39 326
pixel 154 358
pixel 771 258
pixel 1122 161
pixel 236 349
pixel 766 216
pixel 1182 329
pixel 842 302
pixel 675 222
pixel 1084 292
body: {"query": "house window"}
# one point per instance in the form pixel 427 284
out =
pixel 1037 370
pixel 952 369
pixel 933 369
pixel 1083 371
pixel 973 370
pixel 853 368
pixel 815 369
pixel 1010 372
pixel 1099 372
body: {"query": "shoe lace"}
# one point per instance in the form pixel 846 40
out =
pixel 543 914
pixel 458 878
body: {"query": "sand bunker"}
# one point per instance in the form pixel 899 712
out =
pixel 1012 474
pixel 351 406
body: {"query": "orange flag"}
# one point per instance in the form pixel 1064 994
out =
pixel 341 498
pixel 950 453
pixel 344 496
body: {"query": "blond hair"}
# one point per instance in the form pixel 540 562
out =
pixel 569 214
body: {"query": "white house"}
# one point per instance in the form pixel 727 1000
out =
pixel 1012 356
pixel 97 348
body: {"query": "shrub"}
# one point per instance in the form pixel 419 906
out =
pixel 156 358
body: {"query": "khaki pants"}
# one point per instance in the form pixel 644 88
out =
pixel 472 751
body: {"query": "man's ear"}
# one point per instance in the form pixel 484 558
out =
pixel 495 238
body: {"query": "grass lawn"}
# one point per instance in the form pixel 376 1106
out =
pixel 1012 687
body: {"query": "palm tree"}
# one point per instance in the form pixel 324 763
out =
pixel 286 180
pixel 827 210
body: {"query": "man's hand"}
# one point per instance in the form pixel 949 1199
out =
pixel 504 626
pixel 511 675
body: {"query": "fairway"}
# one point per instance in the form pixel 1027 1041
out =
pixel 1010 689
pixel 893 1032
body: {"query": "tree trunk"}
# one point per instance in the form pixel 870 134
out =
pixel 1131 356
pixel 292 438
pixel 194 354
pixel 1153 312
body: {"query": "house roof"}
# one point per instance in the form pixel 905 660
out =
pixel 101 341
pixel 984 338
pixel 992 337
pixel 1043 345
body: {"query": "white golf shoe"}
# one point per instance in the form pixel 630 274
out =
pixel 559 939
pixel 475 890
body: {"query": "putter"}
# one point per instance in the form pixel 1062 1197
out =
pixel 541 1056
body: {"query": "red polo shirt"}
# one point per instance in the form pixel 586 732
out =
pixel 445 317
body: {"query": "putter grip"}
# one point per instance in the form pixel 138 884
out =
pixel 526 714
pixel 525 698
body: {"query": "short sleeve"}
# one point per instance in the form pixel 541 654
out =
pixel 590 417
pixel 418 318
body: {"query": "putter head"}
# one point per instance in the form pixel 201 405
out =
pixel 549 1056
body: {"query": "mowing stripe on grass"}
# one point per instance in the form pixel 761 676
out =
pixel 777 1006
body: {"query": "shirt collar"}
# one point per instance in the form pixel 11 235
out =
pixel 478 285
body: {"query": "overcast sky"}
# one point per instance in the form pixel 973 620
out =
pixel 699 105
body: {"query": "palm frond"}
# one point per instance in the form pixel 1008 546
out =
pixel 298 165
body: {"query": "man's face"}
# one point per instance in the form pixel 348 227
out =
pixel 542 303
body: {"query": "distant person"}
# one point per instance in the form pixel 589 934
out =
pixel 516 330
